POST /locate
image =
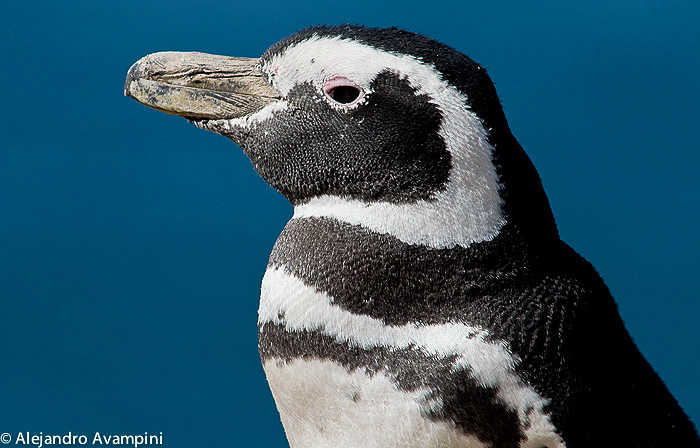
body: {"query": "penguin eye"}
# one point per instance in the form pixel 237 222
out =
pixel 344 94
pixel 342 91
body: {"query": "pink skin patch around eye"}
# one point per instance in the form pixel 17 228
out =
pixel 340 81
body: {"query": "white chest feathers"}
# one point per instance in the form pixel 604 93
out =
pixel 346 380
pixel 323 405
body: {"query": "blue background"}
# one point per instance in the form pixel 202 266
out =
pixel 132 244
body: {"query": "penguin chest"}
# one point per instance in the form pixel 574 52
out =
pixel 343 379
pixel 323 404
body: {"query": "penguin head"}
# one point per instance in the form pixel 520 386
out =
pixel 378 127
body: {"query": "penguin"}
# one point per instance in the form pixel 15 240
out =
pixel 420 295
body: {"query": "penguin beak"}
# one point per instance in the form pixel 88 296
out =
pixel 199 85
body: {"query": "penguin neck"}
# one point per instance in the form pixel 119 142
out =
pixel 371 273
pixel 525 203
